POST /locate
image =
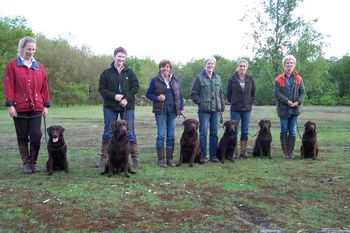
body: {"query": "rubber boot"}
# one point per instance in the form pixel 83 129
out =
pixel 291 144
pixel 161 159
pixel 34 152
pixel 243 145
pixel 104 154
pixel 169 157
pixel 284 145
pixel 24 152
pixel 134 156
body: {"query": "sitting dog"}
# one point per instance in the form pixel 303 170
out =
pixel 309 144
pixel 228 142
pixel 189 143
pixel 57 150
pixel 262 146
pixel 118 150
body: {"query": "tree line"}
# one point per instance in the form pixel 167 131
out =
pixel 74 72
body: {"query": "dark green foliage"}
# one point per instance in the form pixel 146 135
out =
pixel 74 72
pixel 12 30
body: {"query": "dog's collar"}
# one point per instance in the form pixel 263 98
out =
pixel 59 148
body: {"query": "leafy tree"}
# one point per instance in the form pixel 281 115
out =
pixel 144 69
pixel 340 72
pixel 187 73
pixel 276 33
pixel 12 30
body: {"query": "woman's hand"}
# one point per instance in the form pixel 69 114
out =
pixel 12 112
pixel 45 111
pixel 123 103
pixel 161 98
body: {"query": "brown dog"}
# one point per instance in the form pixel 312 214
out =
pixel 309 144
pixel 262 146
pixel 228 141
pixel 189 143
pixel 118 150
pixel 57 150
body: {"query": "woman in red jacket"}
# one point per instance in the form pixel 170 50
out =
pixel 27 97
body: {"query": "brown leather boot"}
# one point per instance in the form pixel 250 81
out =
pixel 104 154
pixel 243 145
pixel 291 144
pixel 24 152
pixel 284 145
pixel 169 157
pixel 135 156
pixel 34 152
pixel 161 159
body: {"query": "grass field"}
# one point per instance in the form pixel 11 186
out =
pixel 245 196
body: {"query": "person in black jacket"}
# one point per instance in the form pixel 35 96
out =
pixel 168 102
pixel 118 86
pixel 240 95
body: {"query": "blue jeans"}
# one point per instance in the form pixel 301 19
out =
pixel 208 120
pixel 289 125
pixel 165 125
pixel 111 116
pixel 244 118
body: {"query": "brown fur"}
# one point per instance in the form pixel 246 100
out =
pixel 189 143
pixel 57 150
pixel 118 150
pixel 227 144
pixel 309 145
pixel 262 146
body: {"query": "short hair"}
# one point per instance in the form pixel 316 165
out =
pixel 242 60
pixel 23 42
pixel 119 50
pixel 289 57
pixel 164 62
pixel 209 59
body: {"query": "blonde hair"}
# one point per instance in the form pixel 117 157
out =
pixel 289 57
pixel 209 59
pixel 23 42
pixel 241 60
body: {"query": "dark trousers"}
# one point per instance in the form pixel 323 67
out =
pixel 28 128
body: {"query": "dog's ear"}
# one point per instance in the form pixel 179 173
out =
pixel 61 128
pixel 114 126
pixel 306 123
pixel 127 124
pixel 269 122
pixel 49 129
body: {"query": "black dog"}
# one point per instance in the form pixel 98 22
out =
pixel 228 142
pixel 57 150
pixel 189 143
pixel 118 150
pixel 309 145
pixel 262 146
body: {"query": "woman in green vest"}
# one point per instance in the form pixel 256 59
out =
pixel 207 93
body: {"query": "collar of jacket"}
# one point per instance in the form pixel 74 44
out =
pixel 125 67
pixel 204 73
pixel 34 65
pixel 160 77
pixel 281 79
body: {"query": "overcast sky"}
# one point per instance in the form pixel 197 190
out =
pixel 178 30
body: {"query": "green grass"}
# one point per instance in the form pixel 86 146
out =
pixel 244 196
